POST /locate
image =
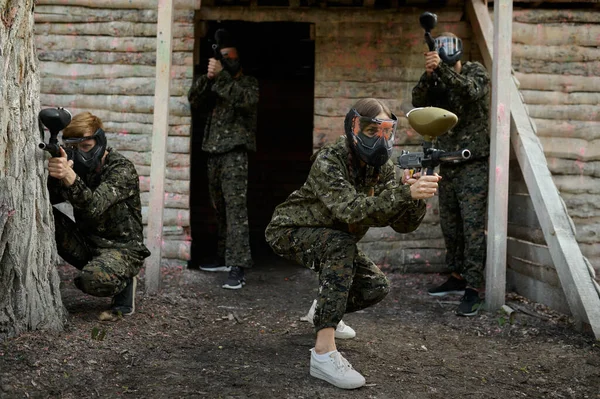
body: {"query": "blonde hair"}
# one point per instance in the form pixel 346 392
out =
pixel 83 124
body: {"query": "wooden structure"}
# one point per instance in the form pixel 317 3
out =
pixel 100 56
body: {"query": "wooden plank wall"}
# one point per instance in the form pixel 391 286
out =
pixel 556 60
pixel 102 60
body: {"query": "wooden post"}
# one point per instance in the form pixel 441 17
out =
pixel 162 94
pixel 495 275
pixel 571 268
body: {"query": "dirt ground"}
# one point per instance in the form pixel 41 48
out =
pixel 197 340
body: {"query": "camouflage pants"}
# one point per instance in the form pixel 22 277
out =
pixel 103 271
pixel 228 189
pixel 349 281
pixel 463 194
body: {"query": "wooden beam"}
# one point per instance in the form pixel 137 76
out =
pixel 126 4
pixel 164 52
pixel 575 278
pixel 495 275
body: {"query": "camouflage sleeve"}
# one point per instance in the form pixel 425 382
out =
pixel 419 92
pixel 241 93
pixel 346 204
pixel 119 182
pixel 472 84
pixel 200 92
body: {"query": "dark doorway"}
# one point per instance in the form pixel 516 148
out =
pixel 281 56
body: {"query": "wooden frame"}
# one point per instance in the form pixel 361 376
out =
pixel 495 269
pixel 576 281
pixel 162 95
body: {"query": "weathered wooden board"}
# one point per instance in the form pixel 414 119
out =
pixel 115 28
pixel 577 185
pixel 117 116
pixel 171 186
pixel 586 130
pixel 117 86
pixel 178 173
pixel 144 158
pixel 521 211
pixel 560 166
pixel 172 217
pixel 538 291
pixel 581 68
pixel 74 14
pixel 172 200
pixel 142 143
pixel 107 43
pixel 131 104
pixel 556 34
pixel 555 82
pixel 565 112
pixel 526 233
pixel 541 273
pixel 77 71
pixel 555 53
pixel 570 148
pixel 143 128
pixel 380 90
pixel 126 4
pixel 557 98
pixel 111 57
pixel 325 16
pixel 365 64
pixel 556 15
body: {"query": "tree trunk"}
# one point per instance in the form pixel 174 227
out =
pixel 29 283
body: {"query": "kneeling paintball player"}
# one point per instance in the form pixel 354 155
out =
pixel 105 242
pixel 351 187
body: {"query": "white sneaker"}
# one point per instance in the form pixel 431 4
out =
pixel 336 370
pixel 342 331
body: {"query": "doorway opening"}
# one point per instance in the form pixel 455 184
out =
pixel 281 55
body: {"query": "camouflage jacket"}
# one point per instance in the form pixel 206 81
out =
pixel 231 106
pixel 329 198
pixel 465 94
pixel 106 206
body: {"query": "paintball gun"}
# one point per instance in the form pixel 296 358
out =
pixel 431 122
pixel 428 21
pixel 55 119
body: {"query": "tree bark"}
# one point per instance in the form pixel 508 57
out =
pixel 29 283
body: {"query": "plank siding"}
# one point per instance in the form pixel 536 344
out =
pixel 100 56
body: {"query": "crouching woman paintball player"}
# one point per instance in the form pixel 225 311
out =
pixel 105 242
pixel 351 186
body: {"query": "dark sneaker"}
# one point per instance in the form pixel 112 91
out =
pixel 213 267
pixel 236 279
pixel 469 303
pixel 124 302
pixel 451 286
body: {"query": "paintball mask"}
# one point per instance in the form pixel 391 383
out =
pixel 372 139
pixel 85 162
pixel 230 60
pixel 449 48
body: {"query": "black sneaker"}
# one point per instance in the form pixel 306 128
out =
pixel 451 286
pixel 469 303
pixel 215 267
pixel 236 279
pixel 124 302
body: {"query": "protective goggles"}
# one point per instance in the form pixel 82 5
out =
pixel 370 131
pixel 73 142
pixel 452 44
